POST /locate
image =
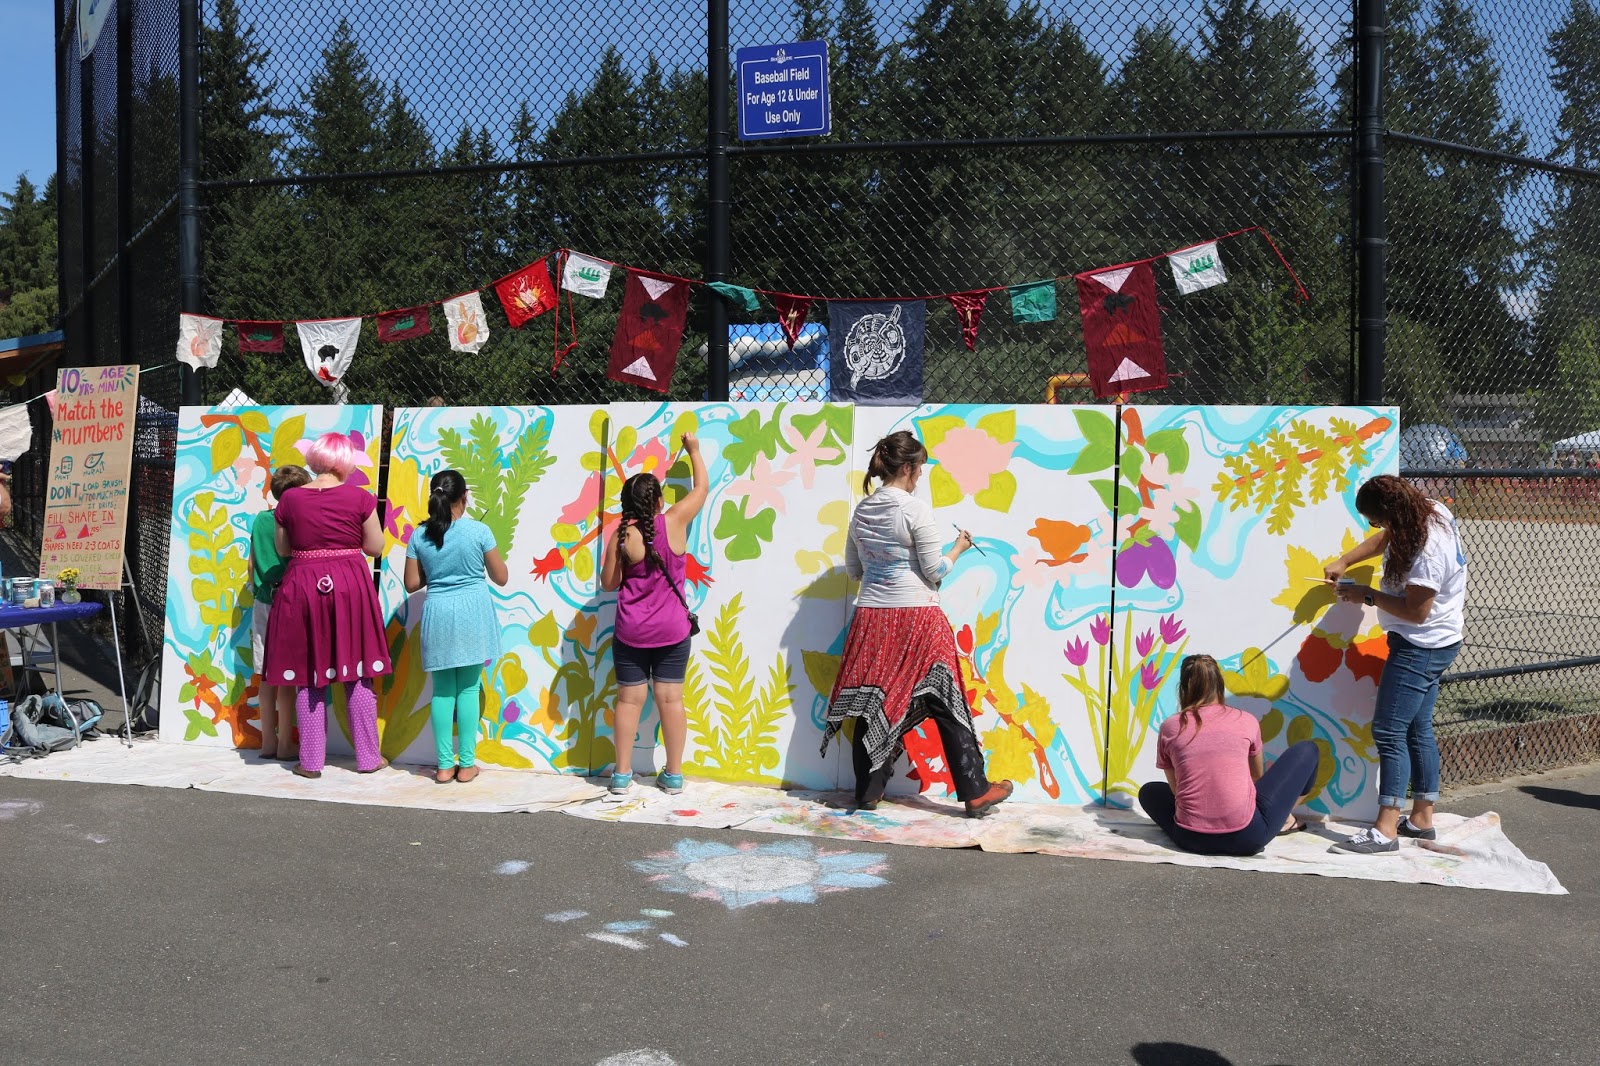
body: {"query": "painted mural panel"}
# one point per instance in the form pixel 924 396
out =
pixel 220 483
pixel 1226 517
pixel 765 576
pixel 1026 483
pixel 534 478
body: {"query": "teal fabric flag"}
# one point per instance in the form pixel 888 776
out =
pixel 1033 301
pixel 737 294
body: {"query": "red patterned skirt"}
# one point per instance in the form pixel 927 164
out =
pixel 895 660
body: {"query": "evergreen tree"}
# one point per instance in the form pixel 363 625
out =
pixel 28 293
pixel 1569 244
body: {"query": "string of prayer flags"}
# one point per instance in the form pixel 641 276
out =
pixel 969 308
pixel 527 293
pixel 649 333
pixel 328 346
pixel 469 329
pixel 876 351
pixel 792 313
pixel 199 340
pixel 585 276
pixel 1197 268
pixel 260 336
pixel 1122 330
pixel 1033 301
pixel 404 324
pixel 736 294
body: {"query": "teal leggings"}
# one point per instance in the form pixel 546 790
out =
pixel 455 695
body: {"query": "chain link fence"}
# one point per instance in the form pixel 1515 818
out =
pixel 371 157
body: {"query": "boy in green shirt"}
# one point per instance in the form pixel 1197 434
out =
pixel 266 570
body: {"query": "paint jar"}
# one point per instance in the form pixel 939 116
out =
pixel 47 594
pixel 22 590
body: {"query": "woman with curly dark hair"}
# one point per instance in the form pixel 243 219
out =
pixel 900 667
pixel 1420 603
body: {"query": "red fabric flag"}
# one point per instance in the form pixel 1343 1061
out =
pixel 969 308
pixel 404 324
pixel 1122 330
pixel 792 313
pixel 528 293
pixel 649 331
pixel 260 336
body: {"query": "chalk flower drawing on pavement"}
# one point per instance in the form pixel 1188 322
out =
pixel 746 874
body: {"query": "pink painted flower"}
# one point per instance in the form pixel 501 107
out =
pixel 1077 651
pixel 1172 630
pixel 1032 569
pixel 1145 642
pixel 1149 677
pixel 1100 630
pixel 971 457
pixel 808 452
pixel 579 510
pixel 650 458
pixel 763 488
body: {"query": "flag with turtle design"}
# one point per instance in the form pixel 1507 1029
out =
pixel 875 354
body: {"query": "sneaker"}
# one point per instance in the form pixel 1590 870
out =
pixel 998 793
pixel 620 783
pixel 1406 829
pixel 1368 842
pixel 671 784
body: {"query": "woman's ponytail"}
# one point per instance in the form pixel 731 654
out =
pixel 891 455
pixel 447 489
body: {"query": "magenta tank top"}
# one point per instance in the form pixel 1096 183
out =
pixel 649 613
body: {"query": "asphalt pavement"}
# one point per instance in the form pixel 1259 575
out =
pixel 146 925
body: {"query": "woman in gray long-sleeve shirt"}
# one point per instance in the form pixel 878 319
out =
pixel 900 666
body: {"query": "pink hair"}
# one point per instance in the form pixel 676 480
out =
pixel 333 453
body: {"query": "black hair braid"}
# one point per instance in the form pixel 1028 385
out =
pixel 447 489
pixel 641 500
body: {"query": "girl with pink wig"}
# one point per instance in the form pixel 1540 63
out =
pixel 326 625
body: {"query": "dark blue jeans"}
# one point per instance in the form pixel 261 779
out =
pixel 1285 781
pixel 1402 721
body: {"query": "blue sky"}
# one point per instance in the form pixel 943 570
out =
pixel 27 90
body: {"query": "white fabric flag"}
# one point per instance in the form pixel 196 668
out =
pixel 1197 268
pixel 199 340
pixel 468 328
pixel 328 346
pixel 585 276
pixel 16 433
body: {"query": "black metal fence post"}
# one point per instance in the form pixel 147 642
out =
pixel 1372 243
pixel 191 294
pixel 718 230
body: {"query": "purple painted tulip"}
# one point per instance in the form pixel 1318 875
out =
pixel 1172 630
pixel 512 711
pixel 1153 560
pixel 1077 652
pixel 1149 677
pixel 1145 642
pixel 1100 630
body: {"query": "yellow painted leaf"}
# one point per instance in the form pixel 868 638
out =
pixel 1300 728
pixel 499 753
pixel 582 563
pixel 225 448
pixel 943 487
pixel 822 670
pixel 513 678
pixel 1255 677
pixel 545 633
pixel 1271 725
pixel 597 425
pixel 285 441
pixel 254 422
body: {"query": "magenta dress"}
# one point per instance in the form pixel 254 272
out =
pixel 326 622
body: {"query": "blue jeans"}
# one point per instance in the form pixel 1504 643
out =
pixel 1402 721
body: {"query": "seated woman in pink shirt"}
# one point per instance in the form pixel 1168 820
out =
pixel 1217 798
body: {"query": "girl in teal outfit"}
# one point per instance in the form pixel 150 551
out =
pixel 452 555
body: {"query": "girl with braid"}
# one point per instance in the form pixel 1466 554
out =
pixel 644 565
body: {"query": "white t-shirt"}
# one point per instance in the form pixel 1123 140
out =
pixel 1441 565
pixel 895 551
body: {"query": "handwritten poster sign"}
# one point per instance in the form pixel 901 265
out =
pixel 91 456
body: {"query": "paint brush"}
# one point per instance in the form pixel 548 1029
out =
pixel 974 543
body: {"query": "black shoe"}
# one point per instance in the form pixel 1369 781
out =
pixel 1406 829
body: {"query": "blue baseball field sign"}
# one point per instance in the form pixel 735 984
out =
pixel 783 91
